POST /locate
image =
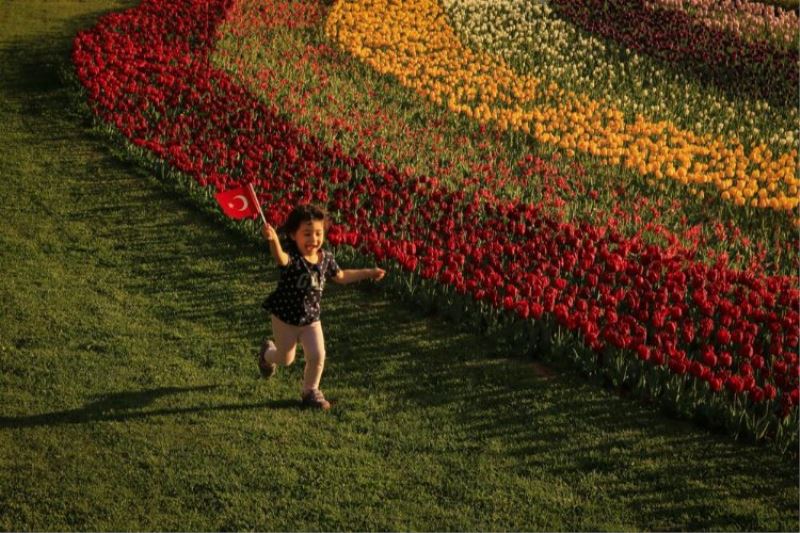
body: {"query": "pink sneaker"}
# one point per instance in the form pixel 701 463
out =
pixel 315 399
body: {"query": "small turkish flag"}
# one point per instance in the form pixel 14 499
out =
pixel 238 203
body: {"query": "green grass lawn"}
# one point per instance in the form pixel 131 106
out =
pixel 131 400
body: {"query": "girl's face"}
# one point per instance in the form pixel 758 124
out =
pixel 309 237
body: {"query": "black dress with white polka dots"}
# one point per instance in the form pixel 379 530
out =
pixel 297 298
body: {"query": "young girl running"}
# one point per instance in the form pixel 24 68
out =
pixel 295 303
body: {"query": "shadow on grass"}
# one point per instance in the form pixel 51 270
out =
pixel 127 405
pixel 32 67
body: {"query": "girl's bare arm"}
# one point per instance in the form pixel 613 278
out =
pixel 281 257
pixel 350 276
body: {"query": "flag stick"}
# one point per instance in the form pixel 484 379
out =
pixel 254 199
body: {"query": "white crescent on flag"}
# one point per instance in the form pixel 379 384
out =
pixel 245 203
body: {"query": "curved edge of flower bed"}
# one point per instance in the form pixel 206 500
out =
pixel 520 322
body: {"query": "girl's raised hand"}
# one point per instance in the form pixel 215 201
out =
pixel 269 233
pixel 377 274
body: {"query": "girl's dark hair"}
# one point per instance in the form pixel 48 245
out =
pixel 303 213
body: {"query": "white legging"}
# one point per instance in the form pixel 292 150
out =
pixel 286 337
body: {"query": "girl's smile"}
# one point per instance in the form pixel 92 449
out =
pixel 309 238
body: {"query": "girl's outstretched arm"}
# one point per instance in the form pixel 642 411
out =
pixel 350 276
pixel 281 257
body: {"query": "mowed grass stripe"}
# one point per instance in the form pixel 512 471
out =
pixel 131 399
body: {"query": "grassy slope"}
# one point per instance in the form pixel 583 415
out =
pixel 130 398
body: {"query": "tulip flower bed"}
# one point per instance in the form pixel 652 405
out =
pixel 711 340
pixel 289 71
pixel 431 61
pixel 767 66
pixel 533 40
pixel 750 21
